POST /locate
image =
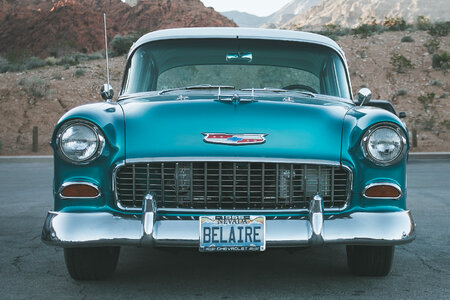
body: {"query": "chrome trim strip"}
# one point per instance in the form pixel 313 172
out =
pixel 68 183
pixel 396 186
pixel 204 211
pixel 71 229
pixel 234 159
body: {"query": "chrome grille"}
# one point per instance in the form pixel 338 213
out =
pixel 231 185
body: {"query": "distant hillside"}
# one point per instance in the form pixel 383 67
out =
pixel 276 19
pixel 41 27
pixel 290 10
pixel 349 13
pixel 243 19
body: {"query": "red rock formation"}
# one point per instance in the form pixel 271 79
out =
pixel 46 27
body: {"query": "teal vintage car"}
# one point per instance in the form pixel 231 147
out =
pixel 230 139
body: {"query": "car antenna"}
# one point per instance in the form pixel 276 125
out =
pixel 106 92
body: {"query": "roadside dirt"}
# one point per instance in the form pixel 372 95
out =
pixel 369 63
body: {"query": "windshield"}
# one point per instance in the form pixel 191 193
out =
pixel 240 63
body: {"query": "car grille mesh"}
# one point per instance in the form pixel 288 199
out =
pixel 231 185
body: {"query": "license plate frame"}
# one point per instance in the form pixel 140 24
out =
pixel 232 233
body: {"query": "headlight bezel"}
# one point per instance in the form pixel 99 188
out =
pixel 384 125
pixel 100 141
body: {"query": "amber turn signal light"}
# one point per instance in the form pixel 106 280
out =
pixel 382 191
pixel 79 190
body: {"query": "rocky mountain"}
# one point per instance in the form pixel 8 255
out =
pixel 289 11
pixel 42 27
pixel 349 13
pixel 243 19
pixel 276 19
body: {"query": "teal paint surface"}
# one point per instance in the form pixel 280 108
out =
pixel 314 129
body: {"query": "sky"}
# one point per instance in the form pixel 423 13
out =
pixel 260 8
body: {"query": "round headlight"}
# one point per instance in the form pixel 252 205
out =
pixel 79 141
pixel 384 144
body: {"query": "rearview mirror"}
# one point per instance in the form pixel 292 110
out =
pixel 239 57
pixel 107 92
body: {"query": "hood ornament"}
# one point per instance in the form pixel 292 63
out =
pixel 235 138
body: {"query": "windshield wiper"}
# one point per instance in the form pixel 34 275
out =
pixel 198 87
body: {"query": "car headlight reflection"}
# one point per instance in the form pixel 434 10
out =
pixel 79 141
pixel 384 144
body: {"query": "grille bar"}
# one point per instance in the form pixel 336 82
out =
pixel 232 185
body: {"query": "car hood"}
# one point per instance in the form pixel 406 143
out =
pixel 302 129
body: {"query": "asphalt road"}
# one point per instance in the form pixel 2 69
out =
pixel 30 269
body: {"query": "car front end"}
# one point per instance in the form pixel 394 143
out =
pixel 230 140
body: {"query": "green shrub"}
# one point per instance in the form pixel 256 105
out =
pixel 407 39
pixel 441 61
pixel 51 61
pixel 401 92
pixel 33 63
pixel 426 99
pixel 366 30
pixel 432 45
pixel 400 63
pixel 121 44
pixel 333 31
pixel 4 65
pixel 35 86
pixel 80 72
pixel 428 122
pixel 94 56
pixel 436 83
pixel 440 29
pixel 423 23
pixel 445 123
pixel 395 24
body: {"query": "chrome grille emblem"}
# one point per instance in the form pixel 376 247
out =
pixel 235 139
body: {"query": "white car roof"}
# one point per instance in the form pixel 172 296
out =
pixel 238 32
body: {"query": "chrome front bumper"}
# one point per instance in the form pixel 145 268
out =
pixel 109 229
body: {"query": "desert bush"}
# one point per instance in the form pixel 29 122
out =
pixel 35 86
pixel 366 30
pixel 428 122
pixel 426 99
pixel 436 83
pixel 333 31
pixel 57 76
pixel 407 39
pixel 401 92
pixel 94 56
pixel 51 61
pixel 4 65
pixel 440 29
pixel 400 63
pixel 80 72
pixel 121 44
pixel 432 45
pixel 441 61
pixel 423 23
pixel 445 123
pixel 33 63
pixel 395 24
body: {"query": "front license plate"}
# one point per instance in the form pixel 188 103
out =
pixel 232 233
